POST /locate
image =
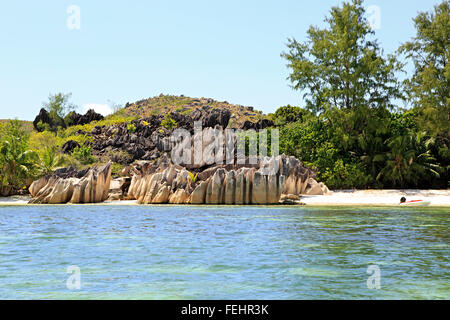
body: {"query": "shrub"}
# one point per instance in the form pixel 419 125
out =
pixel 116 169
pixel 120 156
pixel 345 176
pixel 168 122
pixel 84 155
pixel 131 128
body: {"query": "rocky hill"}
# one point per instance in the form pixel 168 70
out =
pixel 164 104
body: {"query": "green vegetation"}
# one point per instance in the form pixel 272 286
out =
pixel 353 133
pixel 59 105
pixel 131 128
pixel 193 176
pixel 429 87
pixel 288 114
pixel 83 154
pixel 59 109
pixel 16 160
pixel 168 122
pixel 50 159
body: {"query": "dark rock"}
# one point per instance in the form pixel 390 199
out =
pixel 212 117
pixel 44 118
pixel 261 124
pixel 69 146
pixel 78 119
pixel 69 172
pixel 96 130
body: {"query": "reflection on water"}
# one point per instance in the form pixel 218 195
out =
pixel 201 252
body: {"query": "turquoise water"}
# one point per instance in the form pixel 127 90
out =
pixel 189 252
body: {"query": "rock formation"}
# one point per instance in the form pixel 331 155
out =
pixel 231 185
pixel 77 119
pixel 69 146
pixel 44 121
pixel 69 185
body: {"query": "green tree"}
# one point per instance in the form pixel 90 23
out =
pixel 288 114
pixel 58 104
pixel 17 163
pixel 342 66
pixel 429 50
pixel 59 109
pixel 350 85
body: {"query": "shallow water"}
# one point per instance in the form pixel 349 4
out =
pixel 205 252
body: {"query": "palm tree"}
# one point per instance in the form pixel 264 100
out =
pixel 16 164
pixel 408 161
pixel 50 160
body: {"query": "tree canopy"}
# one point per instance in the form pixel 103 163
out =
pixel 429 50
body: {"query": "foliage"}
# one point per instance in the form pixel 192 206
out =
pixel 59 109
pixel 131 128
pixel 342 66
pixel 59 105
pixel 345 176
pixel 429 87
pixel 168 122
pixel 352 137
pixel 119 156
pixel 83 154
pixel 17 162
pixel 408 162
pixel 288 114
pixel 116 169
pixel 50 159
pixel 193 176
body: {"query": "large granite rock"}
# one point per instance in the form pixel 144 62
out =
pixel 69 185
pixel 228 184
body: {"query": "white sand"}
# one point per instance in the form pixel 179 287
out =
pixel 378 197
pixel 440 198
pixel 15 200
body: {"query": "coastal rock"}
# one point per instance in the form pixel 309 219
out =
pixel 226 184
pixel 292 197
pixel 179 197
pixel 163 194
pixel 198 196
pixel 56 191
pixel 92 187
pixel 215 191
pixel 315 188
pixel 37 185
pixel 230 188
pixel 261 124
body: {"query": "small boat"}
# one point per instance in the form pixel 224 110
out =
pixel 415 203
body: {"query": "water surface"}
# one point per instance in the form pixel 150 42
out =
pixel 207 252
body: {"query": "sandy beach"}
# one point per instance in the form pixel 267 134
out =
pixel 437 198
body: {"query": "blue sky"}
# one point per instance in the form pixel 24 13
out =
pixel 129 50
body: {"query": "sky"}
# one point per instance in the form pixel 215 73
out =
pixel 124 51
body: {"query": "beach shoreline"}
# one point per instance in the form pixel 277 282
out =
pixel 385 198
